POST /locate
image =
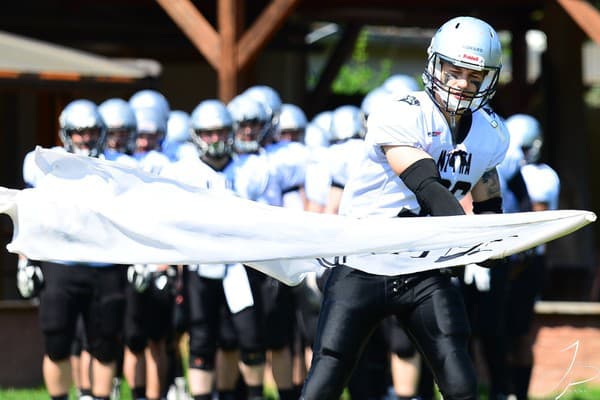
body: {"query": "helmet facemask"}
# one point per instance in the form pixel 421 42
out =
pixel 216 150
pixel 92 147
pixel 458 101
pixel 463 43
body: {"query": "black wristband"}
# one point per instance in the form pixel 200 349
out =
pixel 423 178
pixel 493 205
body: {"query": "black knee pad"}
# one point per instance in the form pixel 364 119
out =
pixel 106 349
pixel 252 357
pixel 407 351
pixel 136 343
pixel 58 346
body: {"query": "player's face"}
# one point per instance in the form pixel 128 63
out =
pixel 85 140
pixel 145 142
pixel 116 139
pixel 211 136
pixel 248 131
pixel 291 135
pixel 461 81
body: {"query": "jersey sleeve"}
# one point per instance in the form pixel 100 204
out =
pixel 501 146
pixel 397 123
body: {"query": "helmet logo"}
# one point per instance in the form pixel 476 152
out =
pixel 473 58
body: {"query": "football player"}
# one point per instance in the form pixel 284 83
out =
pixel 222 299
pixel 69 291
pixel 527 269
pixel 422 153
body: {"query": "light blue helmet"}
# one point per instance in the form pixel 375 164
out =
pixel 150 121
pixel 464 42
pixel 178 127
pixel 315 137
pixel 374 99
pixel 398 84
pixel 323 120
pixel 271 101
pixel 245 109
pixel 77 116
pixel 347 122
pixel 149 98
pixel 118 115
pixel 211 115
pixel 292 118
pixel 526 132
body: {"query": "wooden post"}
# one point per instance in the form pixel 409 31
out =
pixel 227 70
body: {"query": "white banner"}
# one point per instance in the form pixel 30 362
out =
pixel 91 210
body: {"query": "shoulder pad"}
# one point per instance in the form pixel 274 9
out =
pixel 412 100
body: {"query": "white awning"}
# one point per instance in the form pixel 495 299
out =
pixel 26 56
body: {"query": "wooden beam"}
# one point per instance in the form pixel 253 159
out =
pixel 263 28
pixel 227 70
pixel 196 28
pixel 585 15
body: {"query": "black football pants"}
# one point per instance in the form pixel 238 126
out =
pixel 427 304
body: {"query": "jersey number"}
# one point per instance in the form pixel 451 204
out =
pixel 463 186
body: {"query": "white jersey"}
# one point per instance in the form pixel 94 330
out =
pixel 507 169
pixel 287 161
pixel 249 176
pixel 152 161
pixel 317 180
pixel 195 172
pixel 415 121
pixel 543 184
pixel 342 158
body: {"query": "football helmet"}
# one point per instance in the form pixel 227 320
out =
pixel 271 101
pixel 315 137
pixel 79 116
pixel 292 119
pixel 178 127
pixel 463 42
pixel 149 98
pixel 374 99
pixel 400 84
pixel 323 120
pixel 347 122
pixel 150 122
pixel 525 131
pixel 212 115
pixel 250 122
pixel 118 116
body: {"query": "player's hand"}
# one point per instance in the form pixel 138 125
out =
pixel 140 276
pixel 30 279
pixel 478 275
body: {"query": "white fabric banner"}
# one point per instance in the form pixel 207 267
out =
pixel 91 210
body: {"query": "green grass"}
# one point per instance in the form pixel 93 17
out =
pixel 579 392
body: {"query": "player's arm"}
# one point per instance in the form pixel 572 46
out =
pixel 487 198
pixel 419 173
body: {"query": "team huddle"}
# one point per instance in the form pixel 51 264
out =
pixel 408 150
